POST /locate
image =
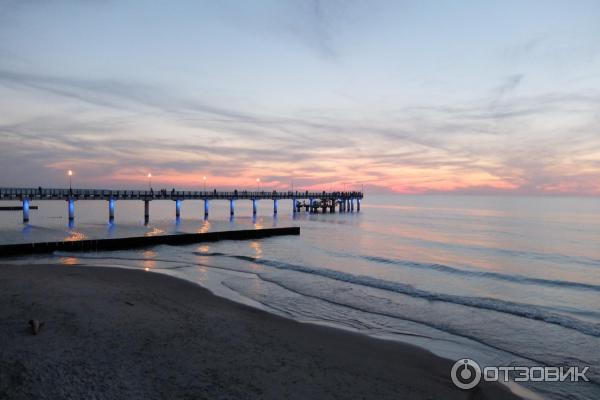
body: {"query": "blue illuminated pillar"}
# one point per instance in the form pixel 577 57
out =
pixel 205 208
pixel 146 211
pixel 177 208
pixel 111 209
pixel 253 206
pixel 25 210
pixel 71 203
pixel 231 207
pixel 294 205
pixel 275 206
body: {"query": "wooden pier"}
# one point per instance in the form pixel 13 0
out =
pixel 312 202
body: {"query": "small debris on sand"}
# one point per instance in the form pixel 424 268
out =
pixel 35 326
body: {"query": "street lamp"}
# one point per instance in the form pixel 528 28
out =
pixel 150 182
pixel 70 173
pixel 204 179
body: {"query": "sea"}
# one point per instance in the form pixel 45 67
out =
pixel 502 280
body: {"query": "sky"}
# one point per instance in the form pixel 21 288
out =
pixel 394 96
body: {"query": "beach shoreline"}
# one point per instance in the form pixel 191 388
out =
pixel 121 333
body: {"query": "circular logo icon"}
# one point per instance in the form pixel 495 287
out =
pixel 465 373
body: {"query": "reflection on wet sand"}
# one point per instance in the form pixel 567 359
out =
pixel 257 246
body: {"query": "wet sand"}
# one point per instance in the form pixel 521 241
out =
pixel 126 334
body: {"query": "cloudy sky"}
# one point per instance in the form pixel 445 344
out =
pixel 409 96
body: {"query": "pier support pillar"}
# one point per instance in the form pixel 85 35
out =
pixel 351 205
pixel 311 204
pixel 357 205
pixel 254 207
pixel 111 209
pixel 71 207
pixel 25 210
pixel 146 211
pixel 294 205
pixel 205 208
pixel 177 208
pixel 231 207
pixel 342 208
pixel 275 206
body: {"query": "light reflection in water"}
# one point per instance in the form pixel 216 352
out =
pixel 148 262
pixel 75 236
pixel 26 230
pixel 204 248
pixel 111 229
pixel 257 247
pixel 69 260
pixel 205 227
pixel 154 232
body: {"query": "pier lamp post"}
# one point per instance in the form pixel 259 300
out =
pixel 149 181
pixel 70 173
pixel 204 179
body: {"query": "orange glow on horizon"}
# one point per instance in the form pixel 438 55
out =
pixel 345 177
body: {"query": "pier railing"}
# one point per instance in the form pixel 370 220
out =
pixel 107 194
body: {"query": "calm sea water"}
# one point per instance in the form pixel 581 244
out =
pixel 501 280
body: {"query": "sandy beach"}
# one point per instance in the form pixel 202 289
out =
pixel 112 333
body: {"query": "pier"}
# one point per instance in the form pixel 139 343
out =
pixel 311 202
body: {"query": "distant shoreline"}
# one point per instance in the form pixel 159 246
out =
pixel 118 333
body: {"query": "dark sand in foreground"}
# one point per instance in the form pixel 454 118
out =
pixel 126 334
